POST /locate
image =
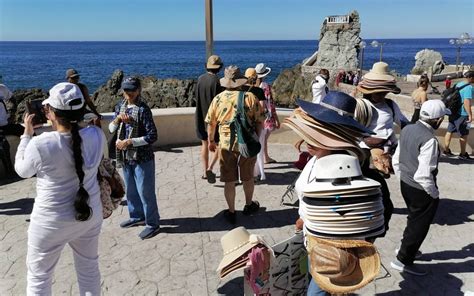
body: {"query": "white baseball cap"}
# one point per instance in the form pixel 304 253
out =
pixel 5 93
pixel 65 96
pixel 433 109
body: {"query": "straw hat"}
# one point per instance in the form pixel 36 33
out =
pixel 337 108
pixel 235 244
pixel 214 62
pixel 377 80
pixel 342 266
pixel 233 78
pixel 379 71
pixel 250 73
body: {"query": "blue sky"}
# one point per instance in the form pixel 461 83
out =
pixel 31 20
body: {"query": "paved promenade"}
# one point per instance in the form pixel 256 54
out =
pixel 182 259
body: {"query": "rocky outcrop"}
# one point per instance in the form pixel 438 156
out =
pixel 425 59
pixel 289 86
pixel 158 93
pixel 17 104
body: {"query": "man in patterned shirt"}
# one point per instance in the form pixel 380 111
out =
pixel 221 113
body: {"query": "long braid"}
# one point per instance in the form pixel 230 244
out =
pixel 81 201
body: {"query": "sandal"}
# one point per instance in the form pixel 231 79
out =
pixel 251 208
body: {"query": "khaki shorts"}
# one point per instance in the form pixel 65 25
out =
pixel 230 162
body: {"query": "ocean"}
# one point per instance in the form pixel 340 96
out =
pixel 43 64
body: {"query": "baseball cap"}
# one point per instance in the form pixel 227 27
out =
pixel 65 96
pixel 469 74
pixel 214 62
pixel 5 93
pixel 131 83
pixel 433 109
pixel 71 73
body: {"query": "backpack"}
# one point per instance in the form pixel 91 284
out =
pixel 249 145
pixel 452 99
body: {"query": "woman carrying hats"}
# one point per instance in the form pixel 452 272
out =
pixel 271 118
pixel 136 131
pixel 323 139
pixel 67 207
pixel 419 96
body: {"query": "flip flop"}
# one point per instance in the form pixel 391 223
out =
pixel 271 161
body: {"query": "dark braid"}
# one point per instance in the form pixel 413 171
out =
pixel 69 120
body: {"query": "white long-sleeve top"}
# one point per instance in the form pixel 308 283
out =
pixel 136 142
pixel 319 89
pixel 49 156
pixel 427 163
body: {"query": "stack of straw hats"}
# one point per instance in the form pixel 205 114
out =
pixel 378 80
pixel 236 245
pixel 330 124
pixel 339 202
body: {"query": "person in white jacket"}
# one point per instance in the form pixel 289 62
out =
pixel 319 86
pixel 67 207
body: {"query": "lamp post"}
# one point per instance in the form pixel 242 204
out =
pixel 362 46
pixel 463 39
pixel 376 44
pixel 209 29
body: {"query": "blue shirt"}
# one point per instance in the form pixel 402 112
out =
pixel 466 94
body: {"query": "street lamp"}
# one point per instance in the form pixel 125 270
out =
pixel 463 39
pixel 209 28
pixel 362 46
pixel 376 44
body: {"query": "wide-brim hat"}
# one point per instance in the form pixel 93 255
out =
pixel 235 244
pixel 262 70
pixel 379 71
pixel 368 91
pixel 336 108
pixel 348 264
pixel 233 78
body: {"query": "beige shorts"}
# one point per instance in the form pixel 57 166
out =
pixel 230 163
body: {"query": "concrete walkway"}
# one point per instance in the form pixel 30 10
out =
pixel 182 259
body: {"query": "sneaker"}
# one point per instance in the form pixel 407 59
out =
pixel 251 208
pixel 149 232
pixel 448 152
pixel 411 269
pixel 418 255
pixel 211 177
pixel 230 217
pixel 131 223
pixel 464 156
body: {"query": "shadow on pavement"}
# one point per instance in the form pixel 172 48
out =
pixel 22 206
pixel 465 252
pixel 233 287
pixel 439 281
pixel 285 178
pixel 262 219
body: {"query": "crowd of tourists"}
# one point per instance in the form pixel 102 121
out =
pixel 235 116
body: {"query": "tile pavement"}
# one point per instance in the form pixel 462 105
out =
pixel 182 259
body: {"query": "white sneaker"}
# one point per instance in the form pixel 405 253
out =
pixel 418 255
pixel 411 269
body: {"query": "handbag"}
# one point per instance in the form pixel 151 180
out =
pixel 112 187
pixel 249 145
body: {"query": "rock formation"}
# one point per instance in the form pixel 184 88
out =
pixel 338 50
pixel 425 59
pixel 17 104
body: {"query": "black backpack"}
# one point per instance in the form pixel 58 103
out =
pixel 452 99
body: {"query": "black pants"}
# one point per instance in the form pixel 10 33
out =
pixel 421 211
pixel 416 116
pixel 387 202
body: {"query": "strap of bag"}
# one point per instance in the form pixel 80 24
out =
pixel 241 110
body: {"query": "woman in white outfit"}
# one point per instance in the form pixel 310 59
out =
pixel 67 208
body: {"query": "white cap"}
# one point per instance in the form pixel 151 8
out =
pixel 5 93
pixel 433 109
pixel 65 96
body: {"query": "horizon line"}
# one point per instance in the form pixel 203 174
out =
pixel 221 40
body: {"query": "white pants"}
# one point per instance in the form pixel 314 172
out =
pixel 260 164
pixel 46 241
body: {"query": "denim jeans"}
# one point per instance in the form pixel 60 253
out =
pixel 140 189
pixel 315 290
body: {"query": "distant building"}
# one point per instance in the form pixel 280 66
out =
pixel 337 19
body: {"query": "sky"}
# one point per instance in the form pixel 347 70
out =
pixel 177 20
